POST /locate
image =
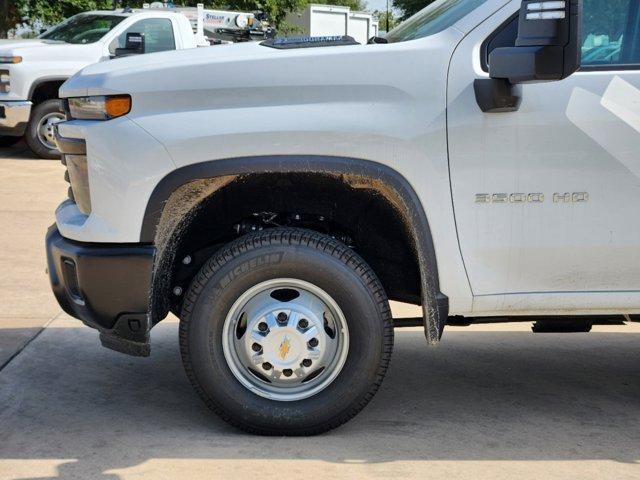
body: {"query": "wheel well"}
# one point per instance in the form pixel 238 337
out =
pixel 46 90
pixel 203 215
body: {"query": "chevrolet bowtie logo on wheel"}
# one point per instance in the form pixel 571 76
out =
pixel 285 346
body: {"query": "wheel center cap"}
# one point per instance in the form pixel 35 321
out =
pixel 284 349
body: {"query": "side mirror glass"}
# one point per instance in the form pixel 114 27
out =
pixel 134 45
pixel 548 46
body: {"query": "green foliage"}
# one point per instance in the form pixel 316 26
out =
pixel 10 16
pixel 51 13
pixel 354 5
pixel 409 7
pixel 276 10
pixel 382 20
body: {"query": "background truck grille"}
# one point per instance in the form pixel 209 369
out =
pixel 5 81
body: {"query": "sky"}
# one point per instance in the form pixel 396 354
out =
pixel 378 4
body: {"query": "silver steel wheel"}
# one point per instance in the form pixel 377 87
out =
pixel 45 129
pixel 285 339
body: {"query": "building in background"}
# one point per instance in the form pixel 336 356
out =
pixel 319 20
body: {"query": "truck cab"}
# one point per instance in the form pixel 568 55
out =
pixel 480 163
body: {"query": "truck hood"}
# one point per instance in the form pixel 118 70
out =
pixel 249 69
pixel 37 49
pixel 97 78
pixel 11 45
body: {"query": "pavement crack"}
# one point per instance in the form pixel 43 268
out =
pixel 19 351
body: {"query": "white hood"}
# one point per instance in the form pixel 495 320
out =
pixel 50 50
pixel 10 45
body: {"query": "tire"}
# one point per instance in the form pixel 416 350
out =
pixel 48 109
pixel 7 141
pixel 315 261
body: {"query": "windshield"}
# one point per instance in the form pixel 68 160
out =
pixel 83 28
pixel 435 18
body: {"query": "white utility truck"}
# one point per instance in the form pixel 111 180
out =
pixel 31 71
pixel 473 165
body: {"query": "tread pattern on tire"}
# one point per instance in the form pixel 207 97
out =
pixel 294 237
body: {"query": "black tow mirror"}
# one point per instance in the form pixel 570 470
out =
pixel 134 45
pixel 548 48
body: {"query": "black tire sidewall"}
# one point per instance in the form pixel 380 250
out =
pixel 31 134
pixel 342 283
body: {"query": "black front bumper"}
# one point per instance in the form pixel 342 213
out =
pixel 107 286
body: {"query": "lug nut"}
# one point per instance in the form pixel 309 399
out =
pixel 306 362
pixel 313 342
pixel 177 291
pixel 287 372
pixel 282 317
pixel 186 260
pixel 304 323
pixel 256 347
pixel 263 327
pixel 266 366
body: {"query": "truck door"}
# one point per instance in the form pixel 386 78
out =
pixel 546 197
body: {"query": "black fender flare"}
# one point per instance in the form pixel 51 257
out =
pixel 43 80
pixel 434 304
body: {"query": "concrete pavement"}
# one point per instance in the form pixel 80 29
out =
pixel 30 190
pixel 494 402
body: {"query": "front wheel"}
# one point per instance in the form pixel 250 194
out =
pixel 39 134
pixel 286 332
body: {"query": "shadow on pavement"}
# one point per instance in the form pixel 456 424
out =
pixel 508 396
pixel 18 151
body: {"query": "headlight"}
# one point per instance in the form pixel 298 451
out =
pixel 99 107
pixel 8 59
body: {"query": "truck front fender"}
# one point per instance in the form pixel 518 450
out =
pixel 356 172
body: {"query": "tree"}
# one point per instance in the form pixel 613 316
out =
pixel 381 16
pixel 50 13
pixel 10 16
pixel 354 5
pixel 409 7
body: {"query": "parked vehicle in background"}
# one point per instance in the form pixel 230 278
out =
pixel 31 71
pixel 331 20
pixel 473 165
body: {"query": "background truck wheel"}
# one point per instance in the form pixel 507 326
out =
pixel 6 141
pixel 39 134
pixel 286 332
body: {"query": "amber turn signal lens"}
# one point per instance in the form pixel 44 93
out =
pixel 7 59
pixel 117 105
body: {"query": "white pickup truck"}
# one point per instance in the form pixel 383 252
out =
pixel 31 71
pixel 473 164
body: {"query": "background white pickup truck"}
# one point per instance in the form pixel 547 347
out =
pixel 31 71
